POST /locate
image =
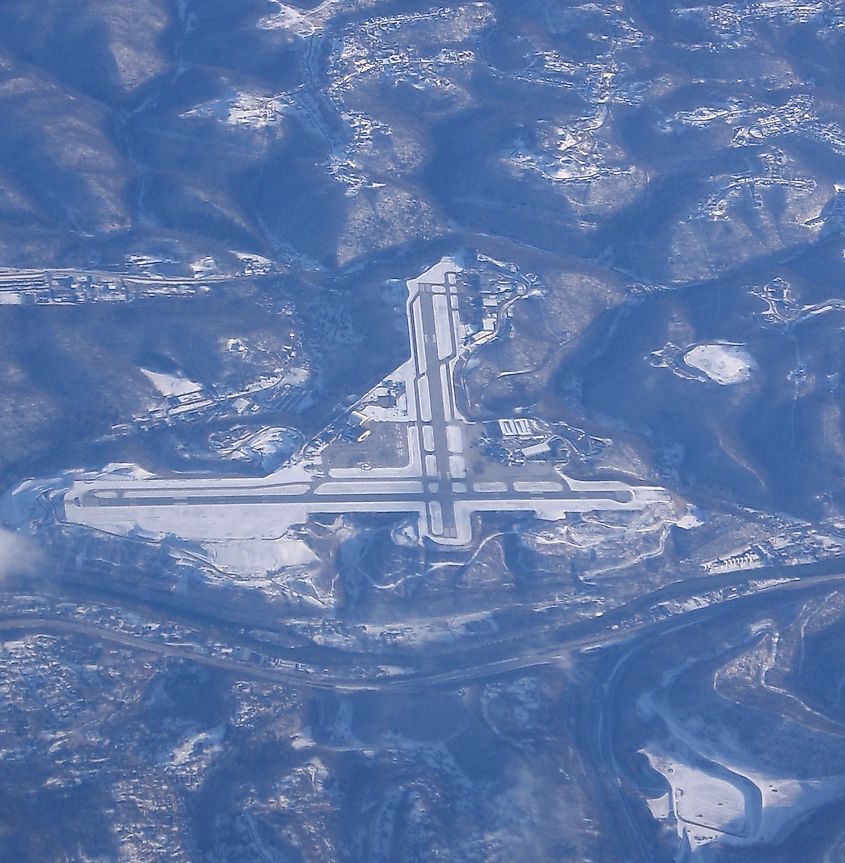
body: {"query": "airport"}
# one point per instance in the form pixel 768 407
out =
pixel 445 480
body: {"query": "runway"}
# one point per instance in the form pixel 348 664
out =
pixel 439 484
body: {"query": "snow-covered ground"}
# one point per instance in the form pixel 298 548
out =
pixel 715 795
pixel 245 109
pixel 737 806
pixel 171 385
pixel 202 743
pixel 724 363
pixel 706 808
pixel 268 446
pixel 300 23
pixel 206 266
pixel 259 556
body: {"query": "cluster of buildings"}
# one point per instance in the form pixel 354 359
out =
pixel 733 21
pixel 483 297
pixel 789 549
pixel 377 50
pixel 372 48
pixel 274 393
pixel 783 308
pixel 757 123
pixel 521 439
pixel 729 188
pixel 31 288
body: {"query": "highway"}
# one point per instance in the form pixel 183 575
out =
pixel 591 635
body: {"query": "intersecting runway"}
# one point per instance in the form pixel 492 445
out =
pixel 438 484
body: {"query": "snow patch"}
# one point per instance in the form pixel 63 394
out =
pixel 200 742
pixel 171 385
pixel 723 363
pixel 204 267
pixel 259 556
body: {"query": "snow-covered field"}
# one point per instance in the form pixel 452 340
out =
pixel 716 796
pixel 706 808
pixel 723 363
pixel 739 807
